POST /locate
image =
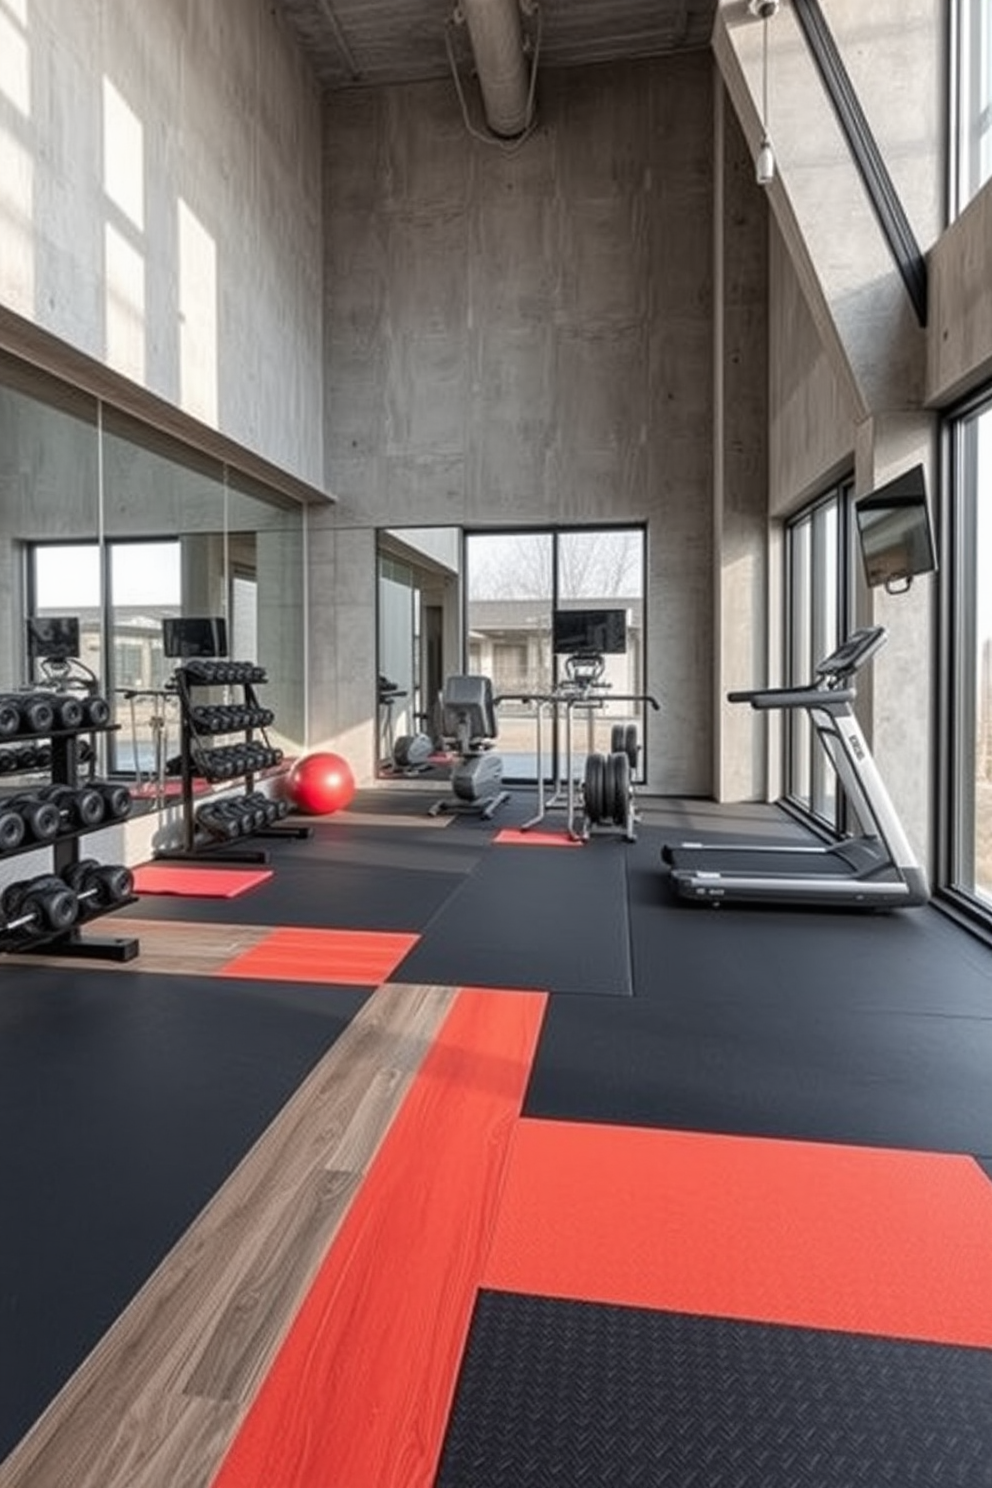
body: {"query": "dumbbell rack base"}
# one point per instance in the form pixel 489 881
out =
pixel 70 943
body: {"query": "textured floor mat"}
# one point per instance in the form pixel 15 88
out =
pixel 574 1393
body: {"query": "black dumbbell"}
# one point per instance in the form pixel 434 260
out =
pixel 67 708
pixel 99 886
pixel 117 799
pixel 96 711
pixel 37 904
pixel 221 819
pixel 37 714
pixel 10 716
pixel 264 806
pixel 42 819
pixel 81 806
pixel 259 814
pixel 26 757
pixel 12 829
pixel 216 823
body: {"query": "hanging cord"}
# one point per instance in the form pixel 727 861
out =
pixel 764 75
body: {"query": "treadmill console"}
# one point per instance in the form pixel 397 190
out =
pixel 852 654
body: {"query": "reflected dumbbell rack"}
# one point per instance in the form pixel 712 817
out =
pixel 224 742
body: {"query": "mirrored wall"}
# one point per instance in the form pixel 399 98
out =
pixel 485 602
pixel 106 520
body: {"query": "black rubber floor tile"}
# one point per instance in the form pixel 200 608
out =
pixel 576 1394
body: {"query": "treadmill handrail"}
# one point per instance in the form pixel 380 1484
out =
pixel 794 697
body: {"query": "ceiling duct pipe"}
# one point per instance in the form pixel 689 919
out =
pixel 499 49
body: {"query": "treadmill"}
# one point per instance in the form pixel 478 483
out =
pixel 876 869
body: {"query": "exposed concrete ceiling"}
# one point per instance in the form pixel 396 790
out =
pixel 368 43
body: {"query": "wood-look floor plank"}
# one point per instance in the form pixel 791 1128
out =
pixel 158 1400
pixel 176 947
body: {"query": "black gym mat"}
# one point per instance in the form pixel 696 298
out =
pixel 549 918
pixel 572 1393
pixel 792 1068
pixel 903 961
pixel 844 1027
pixel 396 893
pixel 125 1101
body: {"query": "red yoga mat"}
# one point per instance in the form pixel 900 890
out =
pixel 198 883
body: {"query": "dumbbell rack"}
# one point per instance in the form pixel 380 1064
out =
pixel 63 769
pixel 198 748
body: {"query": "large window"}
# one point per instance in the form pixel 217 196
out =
pixel 972 97
pixel 969 630
pixel 514 583
pixel 818 587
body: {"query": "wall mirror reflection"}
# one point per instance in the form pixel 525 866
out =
pixel 119 526
pixel 487 603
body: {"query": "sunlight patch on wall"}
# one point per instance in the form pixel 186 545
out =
pixel 125 305
pixel 16 212
pixel 15 74
pixel 16 165
pixel 197 317
pixel 123 156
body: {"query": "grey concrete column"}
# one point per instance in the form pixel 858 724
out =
pixel 740 461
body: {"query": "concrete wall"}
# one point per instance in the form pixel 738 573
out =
pixel 160 201
pixel 847 359
pixel 812 415
pixel 520 340
pixel 960 340
pixel 740 463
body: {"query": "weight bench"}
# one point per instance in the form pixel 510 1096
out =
pixel 468 724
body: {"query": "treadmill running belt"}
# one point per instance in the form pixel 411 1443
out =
pixel 773 863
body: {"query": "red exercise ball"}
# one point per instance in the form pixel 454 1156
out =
pixel 321 783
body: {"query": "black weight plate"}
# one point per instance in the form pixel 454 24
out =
pixel 594 793
pixel 630 745
pixel 617 738
pixel 618 768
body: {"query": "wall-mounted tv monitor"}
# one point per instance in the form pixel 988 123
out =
pixel 191 635
pixel 589 632
pixel 53 637
pixel 895 531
